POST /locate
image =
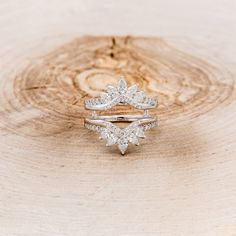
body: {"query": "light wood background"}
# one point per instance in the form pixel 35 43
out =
pixel 57 179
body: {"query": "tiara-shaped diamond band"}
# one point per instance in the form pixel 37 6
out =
pixel 104 125
pixel 115 135
pixel 119 96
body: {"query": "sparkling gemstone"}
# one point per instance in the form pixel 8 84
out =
pixel 123 147
pixel 133 89
pixel 122 86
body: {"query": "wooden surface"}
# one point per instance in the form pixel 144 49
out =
pixel 56 178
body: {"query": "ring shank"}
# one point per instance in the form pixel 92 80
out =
pixel 100 120
pixel 102 107
pixel 123 118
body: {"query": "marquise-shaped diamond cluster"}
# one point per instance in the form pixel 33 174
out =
pixel 121 95
pixel 122 137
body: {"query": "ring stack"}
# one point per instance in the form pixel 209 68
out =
pixel 105 125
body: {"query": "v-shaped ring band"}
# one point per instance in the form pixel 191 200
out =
pixel 121 95
pixel 121 136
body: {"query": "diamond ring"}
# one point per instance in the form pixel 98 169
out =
pixel 104 125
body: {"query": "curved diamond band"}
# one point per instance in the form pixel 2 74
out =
pixel 119 96
pixel 113 134
pixel 104 125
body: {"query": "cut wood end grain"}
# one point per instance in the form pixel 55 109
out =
pixel 47 96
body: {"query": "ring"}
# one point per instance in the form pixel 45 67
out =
pixel 104 124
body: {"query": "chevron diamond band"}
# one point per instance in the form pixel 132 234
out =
pixel 121 137
pixel 121 95
pixel 104 125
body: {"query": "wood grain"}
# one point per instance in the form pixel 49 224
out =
pixel 57 178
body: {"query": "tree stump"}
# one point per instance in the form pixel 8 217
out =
pixel 57 178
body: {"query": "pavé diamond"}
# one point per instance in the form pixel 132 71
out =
pixel 121 94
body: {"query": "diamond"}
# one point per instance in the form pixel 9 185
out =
pixel 133 89
pixel 140 132
pixel 138 97
pixel 133 139
pixel 111 141
pixel 123 148
pixel 104 134
pixel 122 86
pixel 104 97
